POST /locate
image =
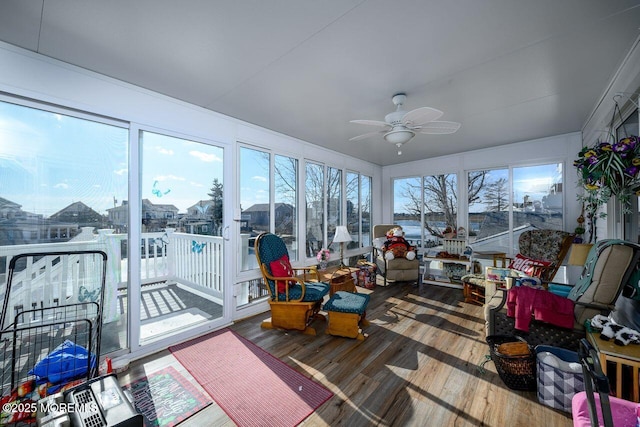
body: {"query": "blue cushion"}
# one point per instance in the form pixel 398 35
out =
pixel 314 291
pixel 347 302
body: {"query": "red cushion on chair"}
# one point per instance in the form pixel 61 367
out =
pixel 281 268
pixel 527 265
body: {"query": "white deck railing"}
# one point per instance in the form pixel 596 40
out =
pixel 188 259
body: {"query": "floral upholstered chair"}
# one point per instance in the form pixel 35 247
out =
pixel 541 253
pixel 296 295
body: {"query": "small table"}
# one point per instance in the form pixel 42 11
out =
pixel 339 279
pixel 628 355
pixel 495 256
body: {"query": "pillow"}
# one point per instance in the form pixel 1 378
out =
pixel 282 268
pixel 527 265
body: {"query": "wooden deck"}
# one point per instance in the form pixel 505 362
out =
pixel 418 366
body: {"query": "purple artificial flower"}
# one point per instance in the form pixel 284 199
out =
pixel 632 170
pixel 604 146
pixel 631 142
pixel 625 145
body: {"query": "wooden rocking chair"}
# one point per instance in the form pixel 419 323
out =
pixel 296 295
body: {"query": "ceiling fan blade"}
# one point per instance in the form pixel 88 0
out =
pixel 438 127
pixel 420 116
pixel 367 135
pixel 370 122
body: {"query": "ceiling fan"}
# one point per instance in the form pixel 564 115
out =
pixel 400 126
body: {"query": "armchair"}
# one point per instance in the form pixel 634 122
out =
pixel 294 300
pixel 540 255
pixel 609 266
pixel 397 269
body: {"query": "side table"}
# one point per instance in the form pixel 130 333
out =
pixel 339 279
pixel 622 356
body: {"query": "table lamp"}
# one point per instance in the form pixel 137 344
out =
pixel 341 236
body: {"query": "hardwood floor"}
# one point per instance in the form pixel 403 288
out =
pixel 417 367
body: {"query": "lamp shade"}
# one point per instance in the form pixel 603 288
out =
pixel 579 252
pixel 342 234
pixel 399 136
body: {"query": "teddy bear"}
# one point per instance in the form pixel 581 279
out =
pixel 396 246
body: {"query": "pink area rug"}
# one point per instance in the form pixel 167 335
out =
pixel 253 387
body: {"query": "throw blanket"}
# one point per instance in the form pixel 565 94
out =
pixel 524 302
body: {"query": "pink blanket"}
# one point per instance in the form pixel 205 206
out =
pixel 525 303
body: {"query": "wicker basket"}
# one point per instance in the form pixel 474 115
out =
pixel 517 371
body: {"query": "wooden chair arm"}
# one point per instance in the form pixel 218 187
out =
pixel 287 280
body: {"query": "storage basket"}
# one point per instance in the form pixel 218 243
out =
pixel 366 274
pixel 559 376
pixel 342 280
pixel 518 372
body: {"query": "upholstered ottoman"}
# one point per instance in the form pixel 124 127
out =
pixel 347 313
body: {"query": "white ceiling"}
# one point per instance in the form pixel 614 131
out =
pixel 508 70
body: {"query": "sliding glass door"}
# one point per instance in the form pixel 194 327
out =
pixel 181 247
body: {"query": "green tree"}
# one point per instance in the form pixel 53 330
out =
pixel 216 207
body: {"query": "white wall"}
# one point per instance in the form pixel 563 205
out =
pixel 562 148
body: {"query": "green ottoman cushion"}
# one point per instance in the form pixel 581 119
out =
pixel 347 302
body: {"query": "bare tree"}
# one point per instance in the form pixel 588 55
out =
pixel 314 206
pixel 475 185
pixel 440 197
pixel 286 171
pixel 496 195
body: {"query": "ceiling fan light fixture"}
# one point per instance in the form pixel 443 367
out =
pixel 399 126
pixel 399 136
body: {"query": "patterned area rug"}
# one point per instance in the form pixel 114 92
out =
pixel 253 387
pixel 166 398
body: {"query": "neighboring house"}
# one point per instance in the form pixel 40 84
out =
pixel 19 227
pixel 9 209
pixel 201 210
pixel 154 217
pixel 199 219
pixel 80 214
pixel 258 215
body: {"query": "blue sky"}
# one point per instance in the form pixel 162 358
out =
pixel 177 171
pixel 48 161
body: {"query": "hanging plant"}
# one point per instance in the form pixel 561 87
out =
pixel 608 169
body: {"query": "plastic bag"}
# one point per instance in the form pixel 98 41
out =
pixel 66 362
